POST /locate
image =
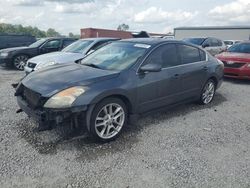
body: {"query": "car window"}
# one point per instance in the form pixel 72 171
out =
pixel 203 55
pixel 188 54
pixel 67 42
pixel 227 42
pixel 214 42
pixel 52 44
pixel 166 55
pixel 99 45
pixel 240 48
pixel 207 42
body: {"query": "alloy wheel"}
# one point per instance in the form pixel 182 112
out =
pixel 109 121
pixel 20 62
pixel 208 92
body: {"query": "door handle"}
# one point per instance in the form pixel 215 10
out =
pixel 205 68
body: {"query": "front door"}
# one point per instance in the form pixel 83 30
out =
pixel 157 89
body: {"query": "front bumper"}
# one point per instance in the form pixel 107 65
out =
pixel 50 116
pixel 240 73
pixel 5 61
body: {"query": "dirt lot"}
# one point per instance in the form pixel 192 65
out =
pixel 188 146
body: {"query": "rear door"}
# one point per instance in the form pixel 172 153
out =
pixel 194 70
pixel 157 89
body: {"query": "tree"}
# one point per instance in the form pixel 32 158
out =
pixel 52 33
pixel 123 27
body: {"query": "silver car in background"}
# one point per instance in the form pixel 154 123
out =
pixel 213 45
pixel 71 54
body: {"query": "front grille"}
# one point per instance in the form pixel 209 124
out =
pixel 33 99
pixel 233 65
pixel 31 65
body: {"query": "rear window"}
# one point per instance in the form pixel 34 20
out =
pixel 189 54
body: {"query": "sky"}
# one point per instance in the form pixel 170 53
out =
pixel 159 16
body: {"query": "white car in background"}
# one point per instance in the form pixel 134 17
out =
pixel 230 43
pixel 71 54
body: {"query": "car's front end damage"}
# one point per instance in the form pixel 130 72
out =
pixel 34 105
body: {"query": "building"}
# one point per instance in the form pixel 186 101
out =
pixel 224 33
pixel 95 32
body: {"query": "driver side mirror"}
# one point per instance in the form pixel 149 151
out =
pixel 151 67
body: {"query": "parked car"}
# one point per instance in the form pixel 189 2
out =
pixel 237 61
pixel 72 53
pixel 229 43
pixel 17 57
pixel 9 41
pixel 213 45
pixel 118 82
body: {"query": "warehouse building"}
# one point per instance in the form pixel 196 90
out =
pixel 224 33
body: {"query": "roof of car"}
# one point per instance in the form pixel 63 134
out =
pixel 150 41
pixel 101 38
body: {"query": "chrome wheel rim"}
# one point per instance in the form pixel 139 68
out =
pixel 208 93
pixel 20 62
pixel 109 121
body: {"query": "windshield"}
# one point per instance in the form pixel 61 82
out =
pixel 240 48
pixel 78 46
pixel 116 56
pixel 37 43
pixel 197 41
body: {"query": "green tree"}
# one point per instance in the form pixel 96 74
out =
pixel 52 33
pixel 123 27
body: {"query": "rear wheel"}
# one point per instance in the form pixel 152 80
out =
pixel 108 119
pixel 208 92
pixel 20 61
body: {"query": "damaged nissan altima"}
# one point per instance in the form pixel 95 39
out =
pixel 118 83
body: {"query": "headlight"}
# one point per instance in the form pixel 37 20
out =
pixel 42 65
pixel 65 98
pixel 4 54
pixel 248 65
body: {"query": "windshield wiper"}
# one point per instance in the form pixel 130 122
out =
pixel 92 65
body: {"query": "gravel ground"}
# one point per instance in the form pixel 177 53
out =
pixel 188 146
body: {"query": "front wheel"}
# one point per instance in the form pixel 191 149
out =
pixel 208 92
pixel 20 61
pixel 108 119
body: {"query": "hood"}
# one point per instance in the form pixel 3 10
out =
pixel 57 57
pixel 14 49
pixel 51 80
pixel 231 56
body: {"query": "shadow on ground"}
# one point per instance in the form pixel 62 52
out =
pixel 64 138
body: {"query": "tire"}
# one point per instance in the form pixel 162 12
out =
pixel 20 61
pixel 208 92
pixel 106 125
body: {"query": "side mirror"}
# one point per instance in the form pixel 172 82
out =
pixel 151 67
pixel 205 45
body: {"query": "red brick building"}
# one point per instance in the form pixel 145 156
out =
pixel 94 32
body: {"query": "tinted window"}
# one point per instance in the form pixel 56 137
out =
pixel 189 54
pixel 240 48
pixel 207 42
pixel 165 55
pixel 52 44
pixel 227 42
pixel 203 56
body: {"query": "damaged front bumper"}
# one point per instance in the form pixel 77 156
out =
pixel 51 117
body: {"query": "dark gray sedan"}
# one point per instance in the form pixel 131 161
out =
pixel 119 82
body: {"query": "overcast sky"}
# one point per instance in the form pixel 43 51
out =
pixel 150 15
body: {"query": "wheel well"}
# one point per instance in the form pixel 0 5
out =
pixel 215 80
pixel 124 99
